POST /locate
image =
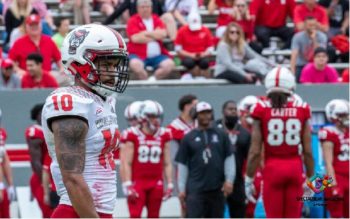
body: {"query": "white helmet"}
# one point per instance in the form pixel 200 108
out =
pixel 89 43
pixel 280 79
pixel 245 104
pixel 335 108
pixel 244 107
pixel 150 107
pixel 132 110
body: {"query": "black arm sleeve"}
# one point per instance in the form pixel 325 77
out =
pixel 117 12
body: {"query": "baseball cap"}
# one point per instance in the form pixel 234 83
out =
pixel 6 63
pixel 203 106
pixel 194 21
pixel 33 19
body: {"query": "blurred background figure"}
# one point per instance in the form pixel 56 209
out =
pixel 62 31
pixel 206 167
pixel 319 71
pixel 38 151
pixel 235 59
pixel 194 44
pixel 36 76
pixel 147 157
pixel 240 142
pixel 335 146
pixel 8 78
pixel 80 9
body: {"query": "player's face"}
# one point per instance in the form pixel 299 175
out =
pixel 154 120
pixel 105 68
pixel 344 119
pixel 33 68
pixel 204 118
pixel 321 59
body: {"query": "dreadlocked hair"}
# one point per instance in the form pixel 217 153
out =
pixel 278 100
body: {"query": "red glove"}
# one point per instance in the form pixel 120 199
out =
pixel 130 191
pixel 169 192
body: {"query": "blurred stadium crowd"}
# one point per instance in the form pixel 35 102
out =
pixel 239 41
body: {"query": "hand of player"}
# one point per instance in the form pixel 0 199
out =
pixel 1 195
pixel 227 188
pixel 11 193
pixel 130 191
pixel 249 189
pixel 169 192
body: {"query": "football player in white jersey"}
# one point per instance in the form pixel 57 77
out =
pixel 80 123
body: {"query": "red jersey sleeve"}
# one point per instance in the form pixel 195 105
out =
pixel 167 135
pixel 291 7
pixel 257 111
pixel 128 136
pixel 34 133
pixel 176 133
pixel 254 7
pixel 324 135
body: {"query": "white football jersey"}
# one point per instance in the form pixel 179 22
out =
pixel 101 140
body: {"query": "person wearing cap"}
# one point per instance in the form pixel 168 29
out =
pixel 36 77
pixel 34 41
pixel 194 45
pixel 319 71
pixel 206 167
pixel 146 32
pixel 8 78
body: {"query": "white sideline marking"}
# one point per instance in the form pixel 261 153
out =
pixel 27 208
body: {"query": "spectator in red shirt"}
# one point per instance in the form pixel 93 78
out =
pixel 270 20
pixel 36 77
pixel 225 17
pixel 33 42
pixel 146 32
pixel 194 44
pixel 319 71
pixel 311 8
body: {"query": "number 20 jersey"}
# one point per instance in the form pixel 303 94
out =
pixel 148 159
pixel 340 142
pixel 101 140
pixel 281 128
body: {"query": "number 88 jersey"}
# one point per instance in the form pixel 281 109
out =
pixel 281 128
pixel 101 141
pixel 148 159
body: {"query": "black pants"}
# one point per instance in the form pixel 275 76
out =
pixel 264 33
pixel 298 70
pixel 205 205
pixel 190 63
pixel 233 77
pixel 236 201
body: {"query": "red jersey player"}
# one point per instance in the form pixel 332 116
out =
pixel 147 155
pixel 335 145
pixel 37 150
pixel 281 124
